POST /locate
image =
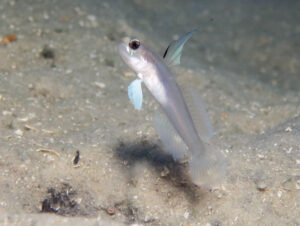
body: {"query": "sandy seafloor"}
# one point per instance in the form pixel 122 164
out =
pixel 244 62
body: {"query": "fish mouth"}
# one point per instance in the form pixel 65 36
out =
pixel 124 44
pixel 123 51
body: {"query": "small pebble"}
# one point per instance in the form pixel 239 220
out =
pixel 46 16
pixel 261 186
pixel 186 215
pixel 69 71
pixel 298 185
pixel 128 74
pixel 100 85
pixel 8 39
pixel 288 129
pixel 47 52
pixel 19 132
pixel 30 19
pixel 93 20
pixel 164 172
pixel 260 156
pixel 4 113
pixel 111 210
pixel 290 150
pixel 25 119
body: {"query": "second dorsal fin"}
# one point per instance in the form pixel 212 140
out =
pixel 199 113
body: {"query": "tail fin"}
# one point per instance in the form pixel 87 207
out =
pixel 207 168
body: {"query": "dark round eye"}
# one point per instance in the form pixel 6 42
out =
pixel 134 44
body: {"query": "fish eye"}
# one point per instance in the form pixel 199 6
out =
pixel 134 44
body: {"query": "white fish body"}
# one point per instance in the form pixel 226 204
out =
pixel 177 130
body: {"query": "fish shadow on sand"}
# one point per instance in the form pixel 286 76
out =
pixel 151 153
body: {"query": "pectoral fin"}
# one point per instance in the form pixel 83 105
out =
pixel 135 93
pixel 174 50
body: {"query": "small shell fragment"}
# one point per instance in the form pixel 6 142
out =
pixel 29 127
pixel 261 186
pixel 19 132
pixel 288 129
pixel 8 39
pixel 48 151
pixel 128 74
pixel 111 210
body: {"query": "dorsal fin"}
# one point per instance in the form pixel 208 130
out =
pixel 198 112
pixel 173 52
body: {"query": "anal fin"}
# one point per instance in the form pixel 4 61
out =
pixel 173 143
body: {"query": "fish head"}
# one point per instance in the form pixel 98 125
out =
pixel 135 55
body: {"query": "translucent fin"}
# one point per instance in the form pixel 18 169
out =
pixel 173 143
pixel 135 93
pixel 199 114
pixel 208 169
pixel 174 50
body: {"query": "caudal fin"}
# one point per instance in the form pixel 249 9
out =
pixel 207 168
